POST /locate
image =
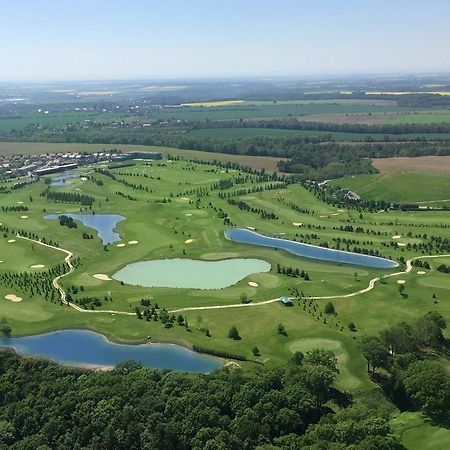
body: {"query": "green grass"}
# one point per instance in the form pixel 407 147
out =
pixel 398 186
pixel 417 433
pixel 249 110
pixel 162 229
pixel 422 118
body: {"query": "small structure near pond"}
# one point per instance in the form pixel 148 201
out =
pixel 286 301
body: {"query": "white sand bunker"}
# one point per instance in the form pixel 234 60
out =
pixel 401 244
pixel 397 236
pixel 421 272
pixel 24 217
pixel 334 214
pixel 83 179
pixel 251 228
pixel 341 210
pixel 13 298
pixel 401 281
pixel 20 203
pixel 253 284
pixel 101 276
pixel 11 241
pixel 188 215
pixel 133 242
pixel 322 217
pixel 37 266
pixel 120 245
pixel 297 224
pixel 1 261
pixel 184 198
pixel 189 241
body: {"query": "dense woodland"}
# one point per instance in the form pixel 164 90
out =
pixel 46 406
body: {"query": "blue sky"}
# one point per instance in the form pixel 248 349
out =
pixel 110 39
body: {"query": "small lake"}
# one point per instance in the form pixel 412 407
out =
pixel 85 348
pixel 244 236
pixel 104 224
pixel 60 180
pixel 190 273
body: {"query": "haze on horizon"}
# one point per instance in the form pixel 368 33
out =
pixel 111 39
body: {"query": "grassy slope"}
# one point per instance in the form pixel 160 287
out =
pixel 398 186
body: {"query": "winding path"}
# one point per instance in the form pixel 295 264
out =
pixel 69 255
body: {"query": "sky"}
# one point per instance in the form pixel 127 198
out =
pixel 50 40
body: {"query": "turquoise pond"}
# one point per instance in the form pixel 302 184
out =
pixel 241 235
pixel 85 348
pixel 104 224
pixel 190 273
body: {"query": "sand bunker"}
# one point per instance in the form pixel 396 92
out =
pixel 101 276
pixel 13 298
pixel 334 214
pixel 322 217
pixel 184 198
pixel 401 244
pixel 83 179
pixel 401 281
pixel 397 236
pixel 20 203
pixel 251 228
pixel 297 224
pixel 24 217
pixel 188 215
pixel 37 266
pixel 120 245
pixel 1 261
pixel 253 284
pixel 133 242
pixel 11 241
pixel 189 241
pixel 341 210
pixel 421 272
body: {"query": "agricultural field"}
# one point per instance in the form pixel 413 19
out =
pixel 425 164
pixel 60 119
pixel 426 117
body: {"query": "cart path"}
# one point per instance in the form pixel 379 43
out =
pixel 69 255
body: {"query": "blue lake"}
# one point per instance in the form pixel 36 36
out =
pixel 190 273
pixel 307 250
pixel 104 224
pixel 85 348
pixel 60 180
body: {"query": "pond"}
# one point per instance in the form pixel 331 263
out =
pixel 244 236
pixel 104 224
pixel 190 273
pixel 85 348
pixel 60 180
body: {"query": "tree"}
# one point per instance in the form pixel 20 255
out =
pixel 244 298
pixel 428 385
pixel 6 329
pixel 352 326
pixel 180 319
pixel 281 329
pixel 255 351
pixel 233 333
pixel 375 353
pixel 329 308
pixel 320 357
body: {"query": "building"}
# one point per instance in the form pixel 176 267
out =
pixel 54 169
pixel 286 301
pixel 142 155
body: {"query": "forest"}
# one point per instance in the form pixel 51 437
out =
pixel 46 406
